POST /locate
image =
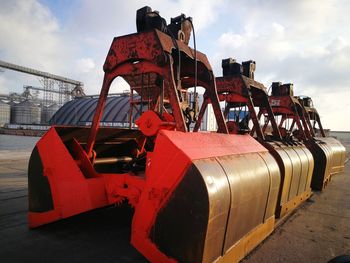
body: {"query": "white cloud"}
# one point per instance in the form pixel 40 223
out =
pixel 278 28
pixel 30 35
pixel 231 40
pixel 333 108
pixel 85 65
pixel 203 12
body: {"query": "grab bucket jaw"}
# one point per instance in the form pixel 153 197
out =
pixel 296 165
pixel 57 187
pixel 219 193
pixel 338 152
pixel 330 156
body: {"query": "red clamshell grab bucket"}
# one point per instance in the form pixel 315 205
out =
pixel 219 194
pixel 207 196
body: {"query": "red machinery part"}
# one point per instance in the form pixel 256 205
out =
pixel 150 123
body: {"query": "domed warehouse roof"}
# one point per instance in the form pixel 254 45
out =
pixel 80 112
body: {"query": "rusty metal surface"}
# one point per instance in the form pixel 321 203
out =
pixel 168 45
pixel 151 46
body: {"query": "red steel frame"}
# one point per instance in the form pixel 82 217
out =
pixel 150 52
pixel 240 89
pixel 312 114
pixel 290 107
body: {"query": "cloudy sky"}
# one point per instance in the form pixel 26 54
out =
pixel 306 42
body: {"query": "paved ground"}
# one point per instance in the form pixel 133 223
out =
pixel 316 232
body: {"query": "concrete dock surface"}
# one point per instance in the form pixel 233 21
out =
pixel 318 231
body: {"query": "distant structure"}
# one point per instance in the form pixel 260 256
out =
pixel 67 88
pixel 36 105
pixel 80 112
pixel 4 113
pixel 25 112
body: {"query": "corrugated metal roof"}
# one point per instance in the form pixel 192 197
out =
pixel 81 111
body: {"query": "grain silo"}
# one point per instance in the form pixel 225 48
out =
pixel 25 112
pixel 5 110
pixel 12 104
pixel 47 112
